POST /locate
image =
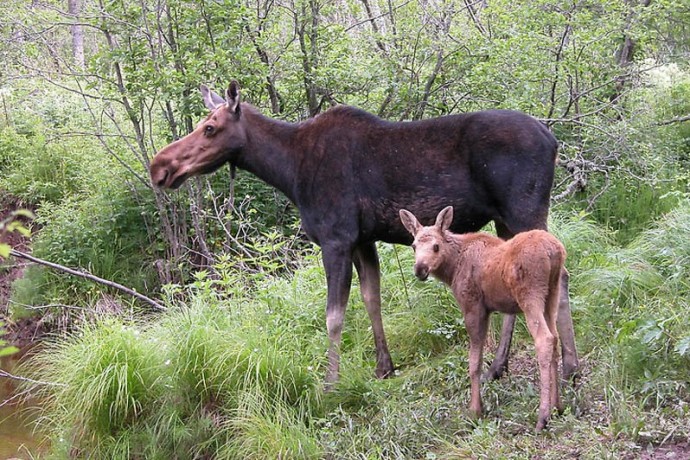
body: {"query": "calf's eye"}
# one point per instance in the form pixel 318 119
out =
pixel 208 129
pixel 436 248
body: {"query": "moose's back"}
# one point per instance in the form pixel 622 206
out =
pixel 492 165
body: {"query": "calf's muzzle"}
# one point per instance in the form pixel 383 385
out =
pixel 421 271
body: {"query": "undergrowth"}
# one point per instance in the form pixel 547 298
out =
pixel 231 373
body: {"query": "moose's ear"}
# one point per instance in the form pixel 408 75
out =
pixel 211 99
pixel 445 218
pixel 233 97
pixel 410 221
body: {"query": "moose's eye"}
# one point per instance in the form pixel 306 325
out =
pixel 208 130
pixel 436 248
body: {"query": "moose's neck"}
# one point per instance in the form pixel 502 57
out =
pixel 269 153
pixel 458 264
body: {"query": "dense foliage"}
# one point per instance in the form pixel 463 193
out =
pixel 234 369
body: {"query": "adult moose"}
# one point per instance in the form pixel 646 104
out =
pixel 349 172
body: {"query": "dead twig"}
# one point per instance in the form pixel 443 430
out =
pixel 7 375
pixel 89 277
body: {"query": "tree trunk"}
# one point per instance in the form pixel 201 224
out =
pixel 307 33
pixel 626 51
pixel 74 9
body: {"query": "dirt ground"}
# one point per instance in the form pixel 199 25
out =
pixel 21 332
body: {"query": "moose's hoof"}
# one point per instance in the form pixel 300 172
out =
pixel 541 424
pixel 385 372
pixel 495 372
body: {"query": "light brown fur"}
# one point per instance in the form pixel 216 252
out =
pixel 489 274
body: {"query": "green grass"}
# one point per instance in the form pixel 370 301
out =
pixel 238 374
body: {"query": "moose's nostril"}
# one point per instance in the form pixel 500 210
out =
pixel 160 181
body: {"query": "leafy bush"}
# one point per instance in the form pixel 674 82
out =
pixel 102 233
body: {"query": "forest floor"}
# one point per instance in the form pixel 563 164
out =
pixel 27 331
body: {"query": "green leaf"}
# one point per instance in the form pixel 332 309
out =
pixel 23 230
pixel 683 346
pixel 652 333
pixel 24 213
pixel 8 351
pixel 4 250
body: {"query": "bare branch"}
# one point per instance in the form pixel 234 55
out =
pixel 674 120
pixel 7 375
pixel 90 277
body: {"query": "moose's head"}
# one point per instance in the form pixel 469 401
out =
pixel 216 140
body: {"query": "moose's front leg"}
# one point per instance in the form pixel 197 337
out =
pixel 367 263
pixel 338 265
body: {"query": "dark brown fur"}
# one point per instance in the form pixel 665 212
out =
pixel 348 172
pixel 488 274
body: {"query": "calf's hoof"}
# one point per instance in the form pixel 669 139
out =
pixel 476 414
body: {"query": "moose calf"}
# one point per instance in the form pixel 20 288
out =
pixel 489 274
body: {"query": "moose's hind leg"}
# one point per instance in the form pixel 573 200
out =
pixel 338 266
pixel 367 264
pixel 500 362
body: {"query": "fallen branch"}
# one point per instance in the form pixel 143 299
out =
pixel 675 120
pixel 89 277
pixel 7 375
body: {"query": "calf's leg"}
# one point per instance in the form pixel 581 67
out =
pixel 551 315
pixel 476 323
pixel 367 265
pixel 500 362
pixel 545 344
pixel 566 331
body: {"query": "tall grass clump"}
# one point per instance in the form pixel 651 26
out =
pixel 268 429
pixel 627 214
pixel 104 381
pixel 228 379
pixel 232 381
pixel 215 354
pixel 659 340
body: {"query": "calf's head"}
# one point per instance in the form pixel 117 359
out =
pixel 429 242
pixel 216 140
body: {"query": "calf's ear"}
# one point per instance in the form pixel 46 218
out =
pixel 409 221
pixel 211 99
pixel 445 218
